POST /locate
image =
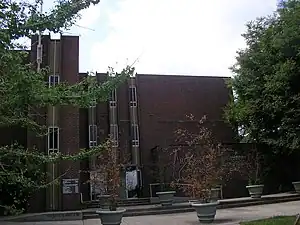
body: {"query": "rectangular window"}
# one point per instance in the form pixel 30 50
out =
pixel 113 98
pixel 93 104
pixel 114 134
pixel 135 135
pixel 53 80
pixel 53 140
pixel 39 54
pixel 132 96
pixel 92 136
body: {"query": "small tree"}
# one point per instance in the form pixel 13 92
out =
pixel 204 162
pixel 108 173
pixel 164 168
pixel 253 162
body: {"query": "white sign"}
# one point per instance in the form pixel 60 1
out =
pixel 70 186
pixel 131 180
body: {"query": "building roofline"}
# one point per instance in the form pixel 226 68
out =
pixel 181 75
pixel 167 75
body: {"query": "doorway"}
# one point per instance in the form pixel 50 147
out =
pixel 133 182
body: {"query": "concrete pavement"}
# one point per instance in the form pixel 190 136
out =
pixel 231 216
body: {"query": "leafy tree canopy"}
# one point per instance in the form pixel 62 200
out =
pixel 22 89
pixel 266 82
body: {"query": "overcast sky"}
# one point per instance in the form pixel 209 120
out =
pixel 192 37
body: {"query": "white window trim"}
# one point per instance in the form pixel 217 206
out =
pixel 92 143
pixel 135 136
pixel 49 79
pixel 133 95
pixel 93 104
pixel 112 104
pixel 113 100
pixel 114 132
pixel 53 150
pixel 133 104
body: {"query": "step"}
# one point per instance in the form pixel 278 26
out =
pixel 186 207
pixel 125 202
pixel 151 209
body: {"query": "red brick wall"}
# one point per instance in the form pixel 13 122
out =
pixel 124 120
pixel 69 118
pixel 102 115
pixel 38 201
pixel 164 102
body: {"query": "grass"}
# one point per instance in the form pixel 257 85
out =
pixel 279 220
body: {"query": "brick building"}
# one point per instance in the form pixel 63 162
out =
pixel 140 115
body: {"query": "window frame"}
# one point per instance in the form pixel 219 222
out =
pixel 113 99
pixel 54 149
pixel 54 83
pixel 135 141
pixel 132 96
pixel 114 132
pixel 93 134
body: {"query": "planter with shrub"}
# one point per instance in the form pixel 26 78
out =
pixel 109 179
pixel 297 186
pixel 204 164
pixel 254 171
pixel 166 198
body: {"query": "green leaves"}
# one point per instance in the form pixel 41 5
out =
pixel 266 80
pixel 23 91
pixel 23 18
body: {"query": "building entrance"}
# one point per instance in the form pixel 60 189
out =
pixel 133 182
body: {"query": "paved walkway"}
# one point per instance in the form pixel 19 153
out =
pixel 224 216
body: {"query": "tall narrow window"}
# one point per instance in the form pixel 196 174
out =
pixel 114 134
pixel 93 104
pixel 135 135
pixel 132 96
pixel 53 80
pixel 53 140
pixel 113 99
pixel 92 136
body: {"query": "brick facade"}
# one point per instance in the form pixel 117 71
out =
pixel 148 109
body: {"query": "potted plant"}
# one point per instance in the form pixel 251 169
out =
pixel 166 193
pixel 109 166
pixel 254 172
pixel 98 188
pixel 205 163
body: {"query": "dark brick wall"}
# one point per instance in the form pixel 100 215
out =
pixel 38 201
pixel 83 144
pixel 69 118
pixel 102 116
pixel 164 102
pixel 124 120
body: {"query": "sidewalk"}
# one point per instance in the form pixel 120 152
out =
pixel 224 216
pixel 147 210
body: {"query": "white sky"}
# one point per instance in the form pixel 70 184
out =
pixel 192 37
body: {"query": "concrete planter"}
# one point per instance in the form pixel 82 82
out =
pixel 166 198
pixel 255 191
pixel 297 186
pixel 206 212
pixel 192 201
pixel 104 201
pixel 108 217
